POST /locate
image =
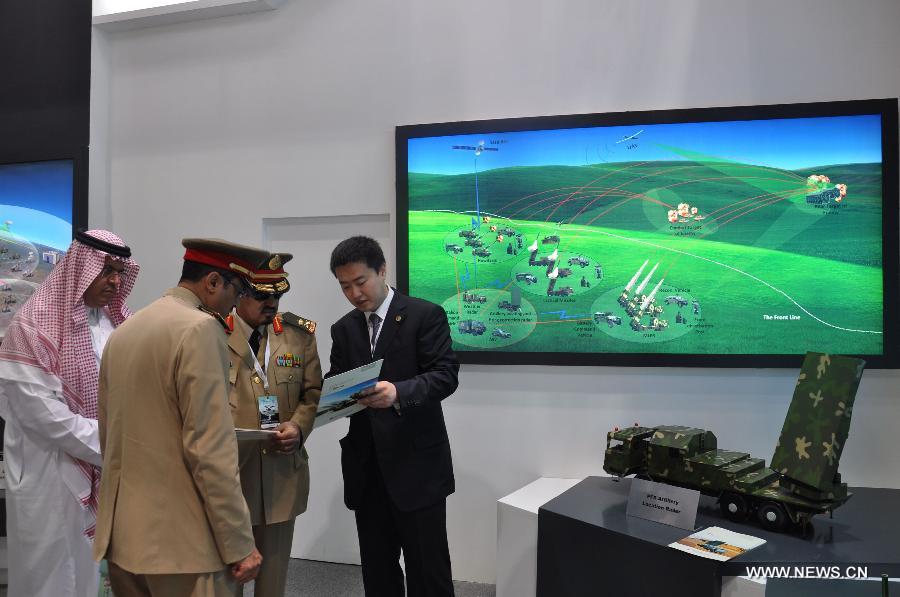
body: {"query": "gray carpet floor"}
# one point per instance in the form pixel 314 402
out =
pixel 307 578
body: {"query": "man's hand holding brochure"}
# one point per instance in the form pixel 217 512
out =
pixel 340 394
pixel 340 398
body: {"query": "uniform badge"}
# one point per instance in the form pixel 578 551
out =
pixel 229 323
pixel 276 325
pixel 275 262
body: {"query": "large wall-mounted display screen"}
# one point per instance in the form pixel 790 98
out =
pixel 37 210
pixel 723 236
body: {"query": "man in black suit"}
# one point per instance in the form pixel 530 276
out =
pixel 396 456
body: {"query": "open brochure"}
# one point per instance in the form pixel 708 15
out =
pixel 717 543
pixel 340 393
pixel 244 435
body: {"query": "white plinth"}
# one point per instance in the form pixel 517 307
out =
pixel 517 533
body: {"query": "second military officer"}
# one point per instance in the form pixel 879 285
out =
pixel 276 380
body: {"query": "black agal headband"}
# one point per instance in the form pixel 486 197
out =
pixel 102 245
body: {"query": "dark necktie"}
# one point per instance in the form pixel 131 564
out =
pixel 375 324
pixel 254 341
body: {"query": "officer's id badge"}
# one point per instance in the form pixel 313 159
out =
pixel 288 360
pixel 268 412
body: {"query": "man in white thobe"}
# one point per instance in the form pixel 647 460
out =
pixel 49 369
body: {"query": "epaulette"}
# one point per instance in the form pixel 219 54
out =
pixel 229 324
pixel 276 325
pixel 297 321
pixel 218 317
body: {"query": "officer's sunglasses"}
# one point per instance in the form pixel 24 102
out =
pixel 264 296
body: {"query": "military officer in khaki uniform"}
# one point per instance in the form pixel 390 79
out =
pixel 274 369
pixel 172 520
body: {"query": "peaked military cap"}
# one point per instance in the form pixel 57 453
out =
pixel 215 252
pixel 269 275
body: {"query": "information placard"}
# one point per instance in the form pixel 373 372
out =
pixel 674 506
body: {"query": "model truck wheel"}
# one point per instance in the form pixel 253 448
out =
pixel 772 516
pixel 733 506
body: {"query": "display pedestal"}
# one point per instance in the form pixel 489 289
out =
pixel 517 535
pixel 587 545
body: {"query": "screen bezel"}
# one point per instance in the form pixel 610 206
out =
pixel 885 108
pixel 79 159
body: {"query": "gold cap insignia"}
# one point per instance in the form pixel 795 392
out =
pixel 275 262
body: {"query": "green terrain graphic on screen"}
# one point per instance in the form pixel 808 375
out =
pixel 730 238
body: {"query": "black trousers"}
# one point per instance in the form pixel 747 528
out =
pixel 384 531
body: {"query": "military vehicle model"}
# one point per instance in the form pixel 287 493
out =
pixel 481 252
pixel 549 240
pixel 498 333
pixel 803 479
pixel 474 242
pixel 453 248
pixel 528 278
pixel 471 297
pixel 467 234
pixel 471 326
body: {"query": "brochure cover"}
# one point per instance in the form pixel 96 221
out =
pixel 717 543
pixel 339 393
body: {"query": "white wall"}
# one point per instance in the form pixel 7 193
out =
pixel 215 125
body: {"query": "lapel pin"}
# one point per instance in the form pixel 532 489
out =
pixel 398 319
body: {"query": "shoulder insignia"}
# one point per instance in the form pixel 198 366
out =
pixel 217 317
pixel 276 325
pixel 229 323
pixel 297 321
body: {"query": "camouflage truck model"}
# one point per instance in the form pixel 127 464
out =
pixel 803 479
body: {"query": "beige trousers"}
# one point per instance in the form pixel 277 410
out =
pixel 208 584
pixel 274 544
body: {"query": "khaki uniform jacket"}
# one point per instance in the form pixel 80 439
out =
pixel 170 496
pixel 275 485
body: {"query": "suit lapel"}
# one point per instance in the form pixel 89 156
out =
pixel 395 315
pixel 360 329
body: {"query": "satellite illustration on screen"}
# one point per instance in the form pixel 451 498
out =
pixel 730 237
pixel 35 228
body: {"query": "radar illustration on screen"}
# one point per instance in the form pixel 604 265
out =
pixel 732 237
